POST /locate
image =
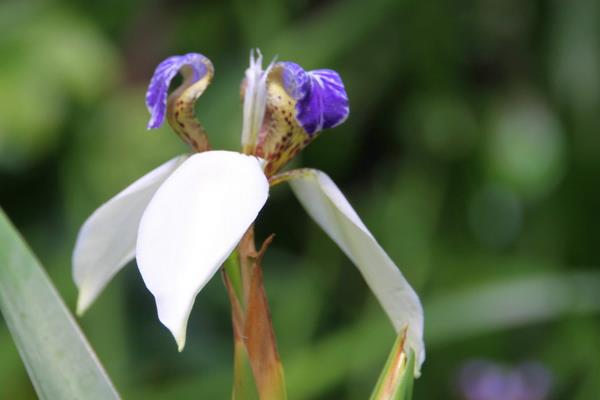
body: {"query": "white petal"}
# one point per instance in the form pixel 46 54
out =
pixel 329 208
pixel 192 224
pixel 106 241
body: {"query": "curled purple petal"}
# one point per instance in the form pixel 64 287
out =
pixel 156 96
pixel 321 99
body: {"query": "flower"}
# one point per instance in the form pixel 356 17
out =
pixel 486 380
pixel 183 219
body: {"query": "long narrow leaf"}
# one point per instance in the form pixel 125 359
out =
pixel 58 358
pixel 396 379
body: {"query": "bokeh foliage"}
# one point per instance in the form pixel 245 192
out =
pixel 471 152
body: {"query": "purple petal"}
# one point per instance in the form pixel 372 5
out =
pixel 321 98
pixel 295 80
pixel 156 96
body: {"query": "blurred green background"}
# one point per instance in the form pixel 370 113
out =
pixel 471 152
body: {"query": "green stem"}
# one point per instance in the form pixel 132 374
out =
pixel 255 346
pixel 233 269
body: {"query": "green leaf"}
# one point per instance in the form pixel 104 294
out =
pixel 396 379
pixel 58 358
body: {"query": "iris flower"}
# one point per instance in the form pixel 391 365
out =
pixel 183 219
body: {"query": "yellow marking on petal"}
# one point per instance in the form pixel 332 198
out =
pixel 282 137
pixel 180 108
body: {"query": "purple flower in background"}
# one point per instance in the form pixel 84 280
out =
pixel 182 220
pixel 483 380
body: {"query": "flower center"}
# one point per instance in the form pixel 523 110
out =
pixel 281 137
pixel 285 109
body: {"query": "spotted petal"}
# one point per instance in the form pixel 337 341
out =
pixel 321 98
pixel 192 224
pixel 106 241
pixel 331 211
pixel 196 66
pixel 299 105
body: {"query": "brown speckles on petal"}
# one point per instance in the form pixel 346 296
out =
pixel 281 137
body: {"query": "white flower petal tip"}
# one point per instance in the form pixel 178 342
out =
pixel 192 224
pixel 180 341
pixel 329 208
pixel 174 313
pixel 84 301
pixel 106 241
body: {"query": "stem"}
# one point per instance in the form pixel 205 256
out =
pixel 254 338
pixel 233 272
